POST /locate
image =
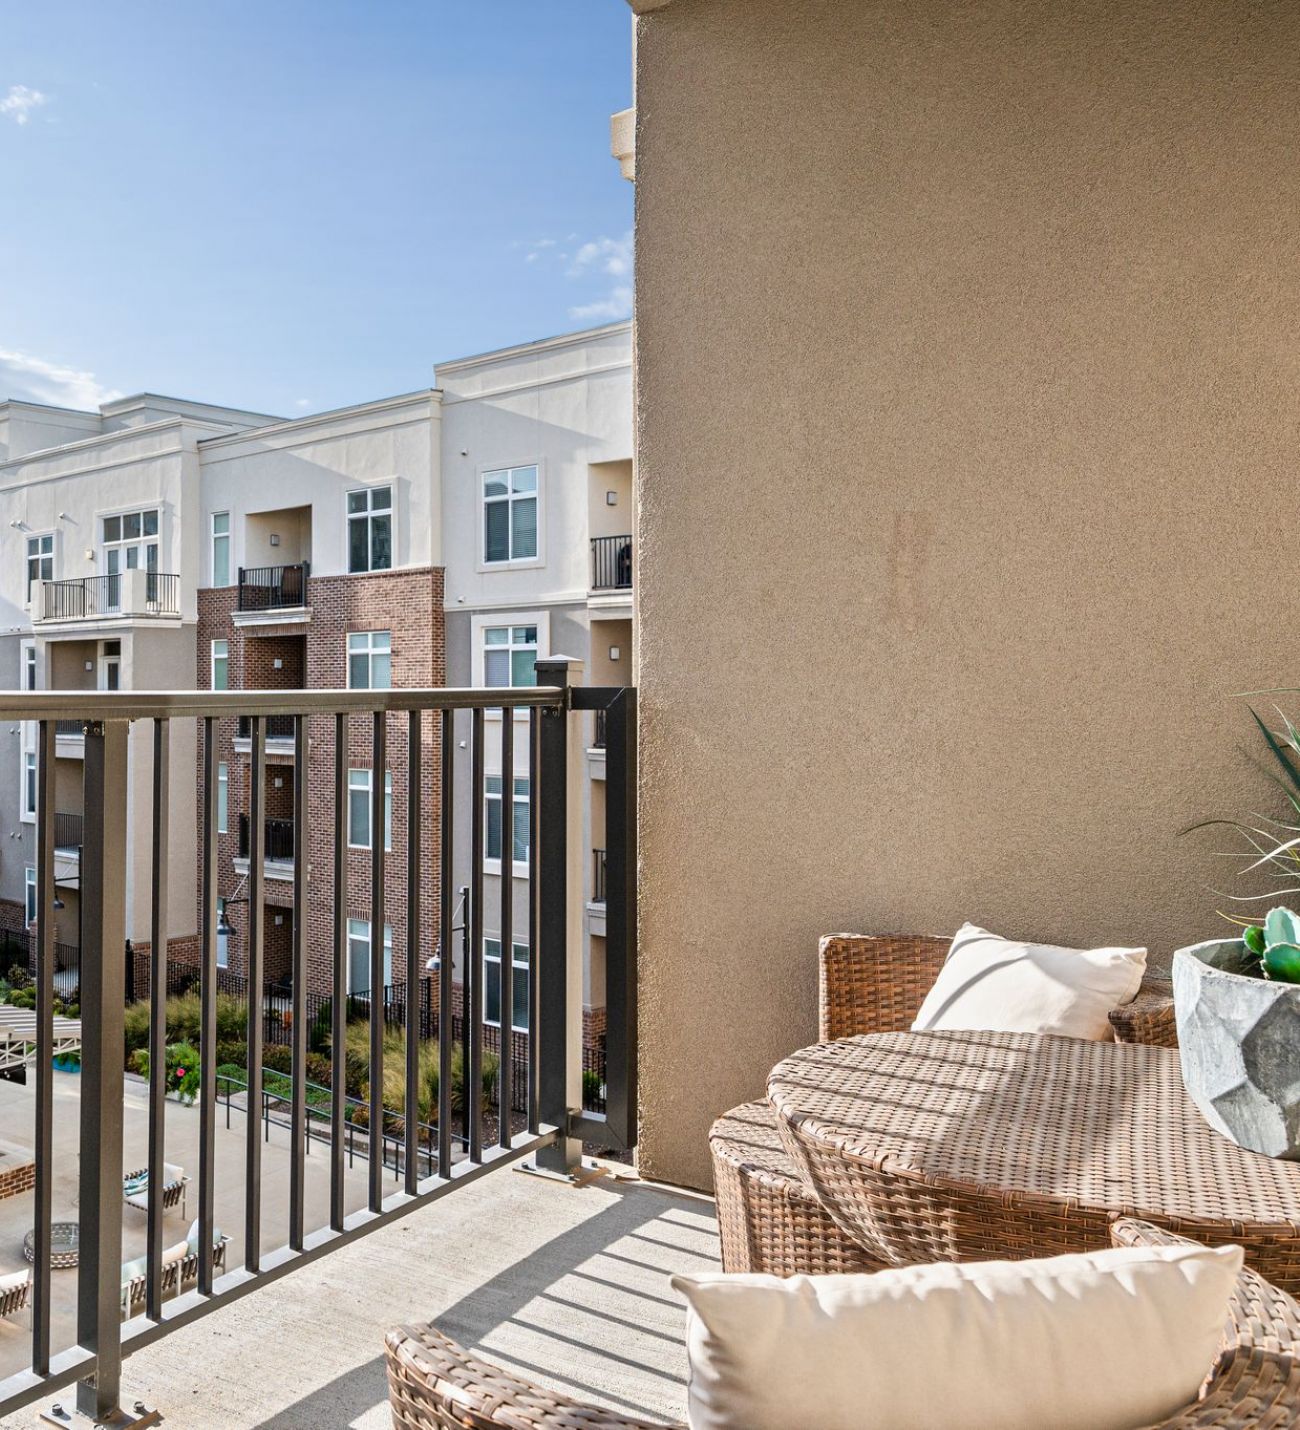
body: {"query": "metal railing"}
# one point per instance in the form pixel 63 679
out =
pixel 278 727
pixel 598 731
pixel 68 831
pixel 611 563
pixel 267 588
pixel 468 1143
pixel 277 840
pixel 128 593
pixel 597 876
pixel 69 728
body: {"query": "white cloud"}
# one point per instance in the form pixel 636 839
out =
pixel 32 379
pixel 612 256
pixel 302 402
pixel 617 305
pixel 20 101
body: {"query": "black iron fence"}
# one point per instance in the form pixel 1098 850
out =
pixel 277 839
pixel 597 876
pixel 611 563
pixel 532 1074
pixel 267 588
pixel 68 831
pixel 278 727
pixel 86 596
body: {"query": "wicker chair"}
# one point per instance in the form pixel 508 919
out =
pixel 768 1219
pixel 434 1384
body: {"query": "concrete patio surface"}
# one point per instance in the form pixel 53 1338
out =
pixel 565 1285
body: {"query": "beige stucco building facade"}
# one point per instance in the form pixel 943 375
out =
pixel 967 422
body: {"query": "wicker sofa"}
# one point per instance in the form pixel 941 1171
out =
pixel 433 1382
pixel 768 1219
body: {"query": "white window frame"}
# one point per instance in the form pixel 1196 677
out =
pixel 213 657
pixel 29 893
pixel 106 546
pixel 30 675
pixel 360 781
pixel 355 935
pixel 29 794
pixel 482 500
pixel 520 963
pixel 369 651
pixel 223 798
pixel 41 556
pixel 479 624
pixel 228 537
pixel 519 867
pixel 368 516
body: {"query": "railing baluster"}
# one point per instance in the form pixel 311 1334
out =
pixel 103 906
pixel 473 1060
pixel 339 980
pixel 298 1111
pixel 534 1039
pixel 256 934
pixel 157 1019
pixel 505 1071
pixel 378 764
pixel 414 873
pixel 44 1150
pixel 446 966
pixel 208 1011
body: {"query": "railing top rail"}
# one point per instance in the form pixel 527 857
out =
pixel 169 704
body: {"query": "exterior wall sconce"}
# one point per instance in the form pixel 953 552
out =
pixel 611 498
pixel 615 652
pixel 275 540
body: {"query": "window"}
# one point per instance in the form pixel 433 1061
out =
pixel 359 792
pixel 29 784
pixel 40 560
pixel 510 514
pixel 221 665
pixel 370 529
pixel 29 878
pixel 492 840
pixel 130 542
pixel 223 799
pixel 29 665
pixel 370 660
pixel 223 935
pixel 221 548
pixel 509 655
pixel 359 956
pixel 492 985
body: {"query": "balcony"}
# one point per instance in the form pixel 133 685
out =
pixel 611 563
pixel 278 835
pixel 279 732
pixel 68 833
pixel 128 595
pixel 598 877
pixel 272 594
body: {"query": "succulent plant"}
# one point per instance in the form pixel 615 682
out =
pixel 1276 945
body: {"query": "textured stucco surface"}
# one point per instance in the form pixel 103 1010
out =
pixel 968 397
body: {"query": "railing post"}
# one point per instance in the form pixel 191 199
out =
pixel 103 913
pixel 557 785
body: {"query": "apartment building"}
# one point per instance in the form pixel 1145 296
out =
pixel 451 536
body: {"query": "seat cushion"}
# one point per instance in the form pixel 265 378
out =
pixel 997 985
pixel 1108 1340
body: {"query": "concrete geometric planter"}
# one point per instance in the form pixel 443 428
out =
pixel 1239 1044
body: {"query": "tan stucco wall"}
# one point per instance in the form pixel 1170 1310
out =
pixel 969 381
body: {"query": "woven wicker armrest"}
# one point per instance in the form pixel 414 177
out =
pixel 1256 1380
pixel 433 1382
pixel 1149 1018
pixel 875 983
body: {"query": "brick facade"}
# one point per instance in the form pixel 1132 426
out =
pixel 17 1179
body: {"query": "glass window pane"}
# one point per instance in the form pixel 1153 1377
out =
pixel 221 523
pixel 357 641
pixel 495 484
pixel 356 502
pixel 521 833
pixel 221 561
pixel 359 816
pixel 358 672
pixel 381 640
pixel 112 528
pixel 492 783
pixel 381 543
pixel 496 635
pixel 131 526
pixel 381 499
pixel 496 667
pixel 524 479
pixel 381 671
pixel 519 997
pixel 522 663
pixel 492 991
pixel 496 531
pixel 492 833
pixel 151 523
pixel 524 528
pixel 358 547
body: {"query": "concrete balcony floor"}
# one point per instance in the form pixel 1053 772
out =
pixel 565 1285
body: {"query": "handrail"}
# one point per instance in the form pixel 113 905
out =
pixel 95 705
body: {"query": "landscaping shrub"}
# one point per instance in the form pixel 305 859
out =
pixel 182 1068
pixel 592 1086
pixel 183 1015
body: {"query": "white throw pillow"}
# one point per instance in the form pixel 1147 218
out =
pixel 996 985
pixel 1108 1340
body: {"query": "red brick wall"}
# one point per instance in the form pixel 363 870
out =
pixel 17 1179
pixel 409 604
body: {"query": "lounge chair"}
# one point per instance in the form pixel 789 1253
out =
pixel 135 1188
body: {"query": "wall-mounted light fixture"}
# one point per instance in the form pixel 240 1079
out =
pixel 615 652
pixel 275 540
pixel 611 498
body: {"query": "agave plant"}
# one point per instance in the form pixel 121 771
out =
pixel 1277 945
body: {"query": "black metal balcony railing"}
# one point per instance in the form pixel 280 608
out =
pixel 598 733
pixel 278 841
pixel 267 588
pixel 73 728
pixel 597 876
pixel 611 563
pixel 455 1141
pixel 278 727
pixel 89 596
pixel 68 831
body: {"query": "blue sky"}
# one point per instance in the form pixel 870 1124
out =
pixel 291 206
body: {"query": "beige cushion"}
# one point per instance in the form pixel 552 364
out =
pixel 1108 1340
pixel 176 1253
pixel 996 985
pixel 14 1280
